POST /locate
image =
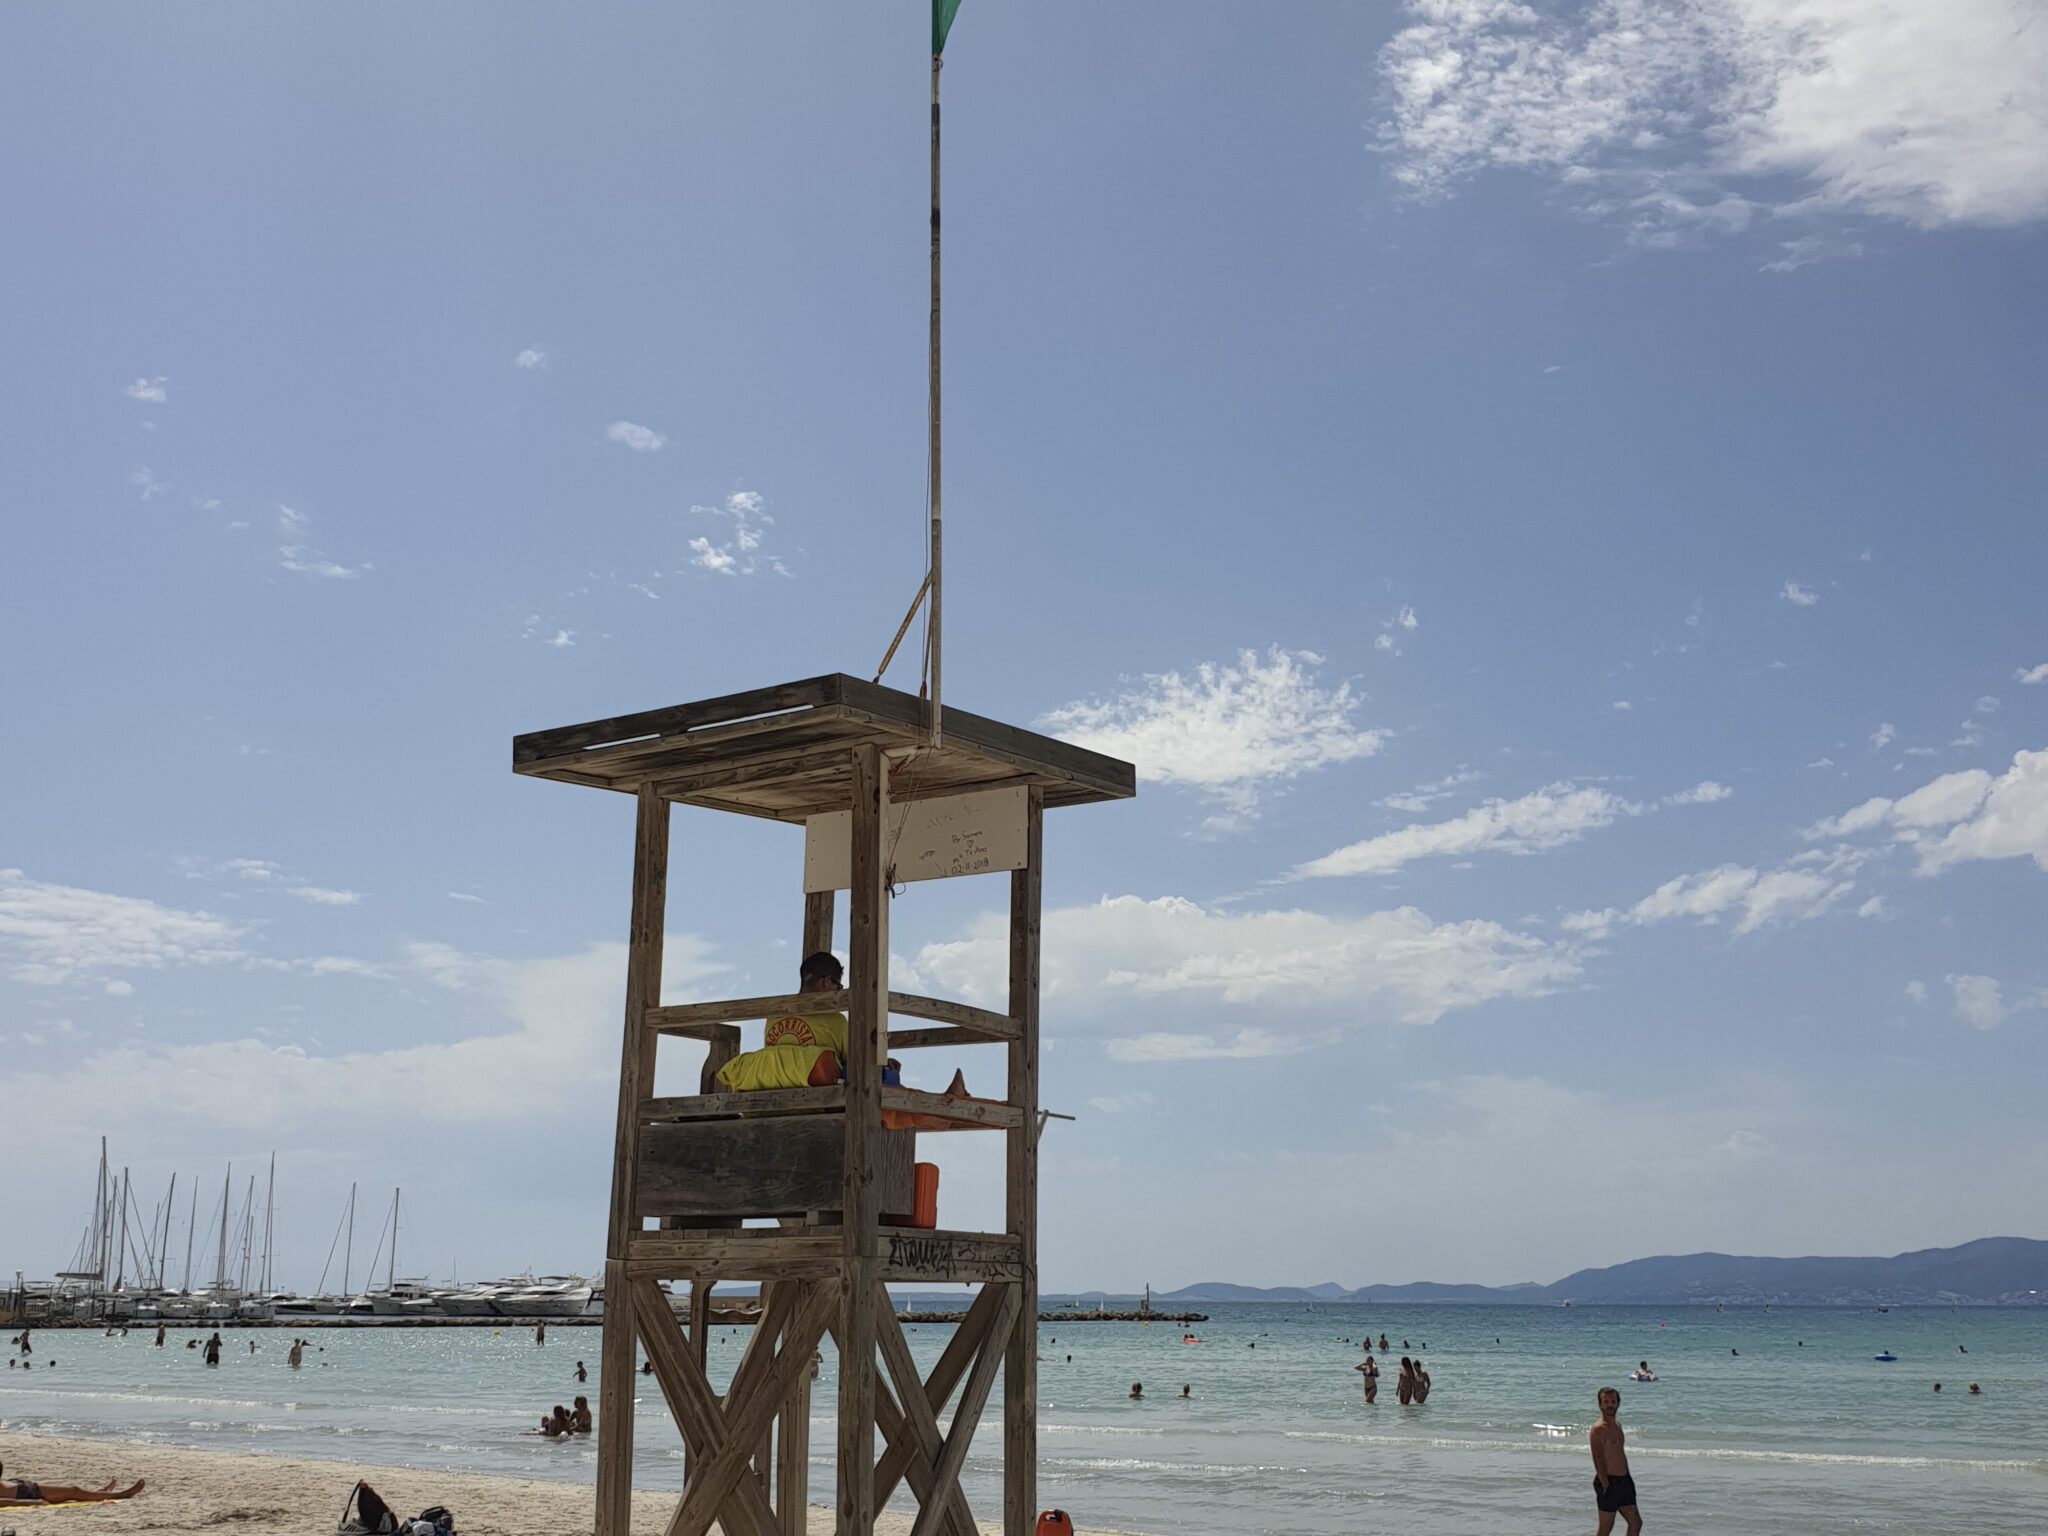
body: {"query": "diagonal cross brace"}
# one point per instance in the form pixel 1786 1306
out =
pixel 745 1512
pixel 973 1397
pixel 904 1449
pixel 747 1418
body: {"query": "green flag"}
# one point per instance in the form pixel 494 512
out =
pixel 942 23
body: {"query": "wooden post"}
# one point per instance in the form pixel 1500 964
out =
pixel 793 1427
pixel 818 916
pixel 860 1258
pixel 616 1381
pixel 1020 1371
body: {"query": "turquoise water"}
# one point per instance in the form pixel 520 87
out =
pixel 1801 1431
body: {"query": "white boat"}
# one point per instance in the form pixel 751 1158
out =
pixel 549 1296
pixel 470 1300
pixel 404 1298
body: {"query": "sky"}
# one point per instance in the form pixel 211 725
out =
pixel 1548 496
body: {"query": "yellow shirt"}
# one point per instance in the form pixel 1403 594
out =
pixel 822 1029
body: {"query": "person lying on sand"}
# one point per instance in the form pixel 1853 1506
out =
pixel 19 1490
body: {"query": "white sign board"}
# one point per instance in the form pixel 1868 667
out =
pixel 975 834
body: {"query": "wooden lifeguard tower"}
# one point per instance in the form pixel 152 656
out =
pixel 855 763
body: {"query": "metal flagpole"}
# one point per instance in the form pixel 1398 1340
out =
pixel 932 413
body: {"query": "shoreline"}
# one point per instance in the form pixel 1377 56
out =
pixel 191 1492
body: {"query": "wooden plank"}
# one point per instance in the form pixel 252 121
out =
pixel 734 1010
pixel 981 1021
pixel 1020 1373
pixel 966 1417
pixel 905 1254
pixel 917 1101
pixel 992 738
pixel 537 746
pixel 921 1039
pixel 693 1404
pixel 780 1165
pixel 677 1018
pixel 773 766
pixel 818 917
pixel 911 1254
pixel 767 1102
pixel 746 1419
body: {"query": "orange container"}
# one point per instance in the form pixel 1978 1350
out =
pixel 1054 1522
pixel 924 1201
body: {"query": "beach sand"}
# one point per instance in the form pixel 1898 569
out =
pixel 225 1493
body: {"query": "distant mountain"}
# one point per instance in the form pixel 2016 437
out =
pixel 1993 1271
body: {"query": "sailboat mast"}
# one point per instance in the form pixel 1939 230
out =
pixel 349 1252
pixel 163 1263
pixel 191 1226
pixel 391 1274
pixel 121 1252
pixel 220 1268
pixel 269 1223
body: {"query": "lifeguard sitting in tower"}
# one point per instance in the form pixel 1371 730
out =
pixel 799 1050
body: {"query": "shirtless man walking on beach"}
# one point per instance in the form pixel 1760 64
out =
pixel 1614 1491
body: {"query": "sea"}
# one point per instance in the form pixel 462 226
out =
pixel 1760 1422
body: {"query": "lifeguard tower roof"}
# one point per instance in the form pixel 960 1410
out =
pixel 783 752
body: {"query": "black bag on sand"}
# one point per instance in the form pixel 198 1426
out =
pixel 365 1514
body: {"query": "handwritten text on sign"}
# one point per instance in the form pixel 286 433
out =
pixel 974 834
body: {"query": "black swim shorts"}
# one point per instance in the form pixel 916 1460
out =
pixel 1619 1494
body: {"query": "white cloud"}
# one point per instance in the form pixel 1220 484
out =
pixel 150 391
pixel 465 896
pixel 1548 818
pixel 52 933
pixel 1419 799
pixel 636 437
pixel 1304 972
pixel 1883 737
pixel 1225 730
pixel 745 552
pixel 1121 1103
pixel 1874 907
pixel 1798 596
pixel 307 561
pixel 1706 792
pixel 561 639
pixel 323 896
pixel 560 1050
pixel 1165 1046
pixel 1960 817
pixel 532 358
pixel 1917 990
pixel 1805 888
pixel 300 557
pixel 148 483
pixel 1979 1002
pixel 1987 705
pixel 253 869
pixel 1622 706
pixel 2033 674
pixel 1678 115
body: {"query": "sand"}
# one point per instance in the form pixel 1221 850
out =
pixel 225 1493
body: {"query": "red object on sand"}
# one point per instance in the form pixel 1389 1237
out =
pixel 1054 1522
